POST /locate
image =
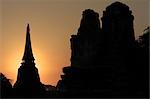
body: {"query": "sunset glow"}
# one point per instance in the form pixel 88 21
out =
pixel 52 22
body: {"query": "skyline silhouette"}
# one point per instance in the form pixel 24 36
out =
pixel 52 21
pixel 106 60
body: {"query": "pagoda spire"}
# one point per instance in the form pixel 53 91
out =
pixel 28 55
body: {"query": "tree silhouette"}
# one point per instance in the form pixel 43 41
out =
pixel 142 63
pixel 5 87
pixel 144 39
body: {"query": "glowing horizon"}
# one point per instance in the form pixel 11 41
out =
pixel 52 22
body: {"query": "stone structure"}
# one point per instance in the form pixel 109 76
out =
pixel 101 58
pixel 28 81
pixel 117 26
pixel 85 44
pixel 82 77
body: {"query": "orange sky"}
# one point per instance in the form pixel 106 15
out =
pixel 52 22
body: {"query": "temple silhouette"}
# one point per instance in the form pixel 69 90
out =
pixel 28 81
pixel 105 60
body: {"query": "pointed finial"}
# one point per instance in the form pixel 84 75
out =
pixel 28 55
pixel 28 28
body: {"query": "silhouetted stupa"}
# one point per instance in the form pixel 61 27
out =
pixel 28 81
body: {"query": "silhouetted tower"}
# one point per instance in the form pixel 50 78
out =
pixel 85 44
pixel 117 27
pixel 104 61
pixel 101 60
pixel 80 78
pixel 117 23
pixel 118 31
pixel 28 81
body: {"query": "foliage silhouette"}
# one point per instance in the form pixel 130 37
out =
pixel 5 87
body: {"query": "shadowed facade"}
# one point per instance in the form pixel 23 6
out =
pixel 104 59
